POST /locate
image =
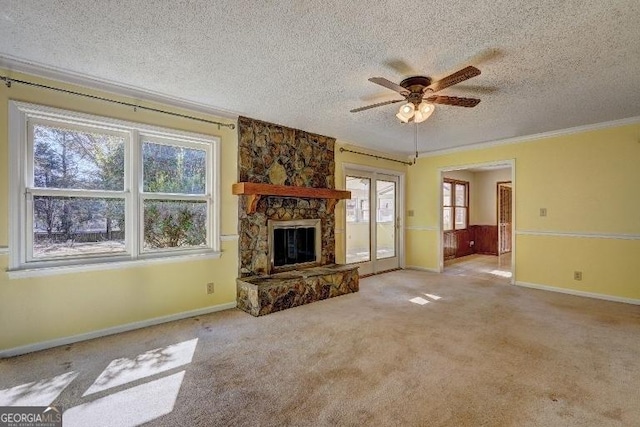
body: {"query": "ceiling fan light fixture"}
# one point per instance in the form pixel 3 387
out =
pixel 408 108
pixel 426 108
pixel 402 118
pixel 424 111
pixel 406 112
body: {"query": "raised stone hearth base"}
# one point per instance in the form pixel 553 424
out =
pixel 260 295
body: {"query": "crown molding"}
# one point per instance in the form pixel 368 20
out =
pixel 533 137
pixel 11 63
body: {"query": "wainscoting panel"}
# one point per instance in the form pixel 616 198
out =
pixel 458 243
pixel 486 239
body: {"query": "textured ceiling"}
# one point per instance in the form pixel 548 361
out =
pixel 546 64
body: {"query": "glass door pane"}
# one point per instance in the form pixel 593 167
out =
pixel 385 219
pixel 358 229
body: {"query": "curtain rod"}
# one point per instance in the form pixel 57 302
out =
pixel 8 81
pixel 342 150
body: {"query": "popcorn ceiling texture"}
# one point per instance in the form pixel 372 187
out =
pixel 274 154
pixel 546 64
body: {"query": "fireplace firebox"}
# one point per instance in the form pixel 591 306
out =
pixel 294 244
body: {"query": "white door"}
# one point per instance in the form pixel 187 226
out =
pixel 372 217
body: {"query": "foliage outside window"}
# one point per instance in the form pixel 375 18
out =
pixel 455 204
pixel 98 189
pixel 174 195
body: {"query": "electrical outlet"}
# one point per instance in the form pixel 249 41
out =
pixel 210 288
pixel 577 275
pixel 543 211
pixel 410 212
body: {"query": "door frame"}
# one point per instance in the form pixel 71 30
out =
pixel 401 206
pixel 511 163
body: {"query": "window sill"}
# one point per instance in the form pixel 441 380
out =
pixel 112 265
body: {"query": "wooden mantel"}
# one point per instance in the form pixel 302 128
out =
pixel 254 191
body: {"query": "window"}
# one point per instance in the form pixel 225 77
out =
pixel 455 204
pixel 91 189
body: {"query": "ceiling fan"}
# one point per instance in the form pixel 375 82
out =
pixel 418 92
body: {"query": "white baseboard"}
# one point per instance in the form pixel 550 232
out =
pixel 415 267
pixel 578 293
pixel 16 351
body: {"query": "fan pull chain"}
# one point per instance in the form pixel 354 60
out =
pixel 415 140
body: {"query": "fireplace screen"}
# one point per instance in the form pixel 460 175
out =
pixel 293 243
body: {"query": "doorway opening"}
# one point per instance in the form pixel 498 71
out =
pixel 477 221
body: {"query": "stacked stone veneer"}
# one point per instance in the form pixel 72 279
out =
pixel 274 154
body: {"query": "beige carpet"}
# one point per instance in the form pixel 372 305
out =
pixel 485 353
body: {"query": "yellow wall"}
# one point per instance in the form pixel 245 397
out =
pixel 484 196
pixel 39 309
pixel 588 182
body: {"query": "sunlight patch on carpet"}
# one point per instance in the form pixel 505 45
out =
pixel 419 300
pixel 501 273
pixel 37 393
pixel 130 407
pixel 125 370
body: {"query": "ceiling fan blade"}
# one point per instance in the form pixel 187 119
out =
pixel 389 85
pixel 452 79
pixel 379 104
pixel 454 100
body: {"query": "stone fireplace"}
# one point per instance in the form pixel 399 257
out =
pixel 287 199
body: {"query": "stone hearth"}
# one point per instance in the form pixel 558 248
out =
pixel 260 295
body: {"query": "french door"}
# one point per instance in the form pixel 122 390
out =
pixel 372 218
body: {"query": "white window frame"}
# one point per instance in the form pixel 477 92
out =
pixel 21 189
